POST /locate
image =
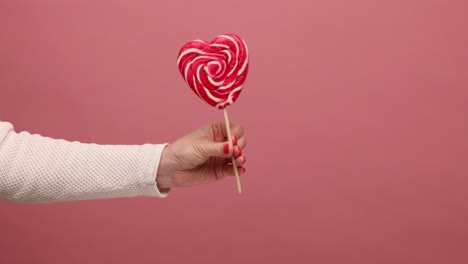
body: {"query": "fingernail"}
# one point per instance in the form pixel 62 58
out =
pixel 234 140
pixel 240 152
pixel 226 148
pixel 243 170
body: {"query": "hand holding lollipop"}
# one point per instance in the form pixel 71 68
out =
pixel 216 72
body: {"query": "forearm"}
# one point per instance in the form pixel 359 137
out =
pixel 37 169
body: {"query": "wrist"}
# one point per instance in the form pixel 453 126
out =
pixel 164 173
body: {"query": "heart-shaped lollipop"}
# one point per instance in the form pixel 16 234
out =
pixel 216 70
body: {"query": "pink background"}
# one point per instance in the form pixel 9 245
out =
pixel 355 112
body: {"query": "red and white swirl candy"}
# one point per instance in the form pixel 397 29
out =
pixel 216 70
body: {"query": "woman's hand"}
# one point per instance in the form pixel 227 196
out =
pixel 201 156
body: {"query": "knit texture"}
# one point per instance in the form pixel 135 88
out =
pixel 37 169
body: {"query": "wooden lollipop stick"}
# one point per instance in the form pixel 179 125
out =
pixel 228 129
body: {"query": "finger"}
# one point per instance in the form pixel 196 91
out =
pixel 217 149
pixel 237 151
pixel 237 131
pixel 240 161
pixel 228 170
pixel 220 132
pixel 242 142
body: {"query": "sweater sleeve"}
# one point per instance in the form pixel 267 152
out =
pixel 37 169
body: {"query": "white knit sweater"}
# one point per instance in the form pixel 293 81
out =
pixel 37 169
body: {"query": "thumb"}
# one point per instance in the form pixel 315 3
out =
pixel 218 149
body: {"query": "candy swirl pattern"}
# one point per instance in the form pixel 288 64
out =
pixel 216 70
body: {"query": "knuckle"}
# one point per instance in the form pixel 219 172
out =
pixel 240 131
pixel 245 143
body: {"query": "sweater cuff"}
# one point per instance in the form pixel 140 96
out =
pixel 151 177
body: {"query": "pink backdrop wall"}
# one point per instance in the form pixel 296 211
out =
pixel 355 112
